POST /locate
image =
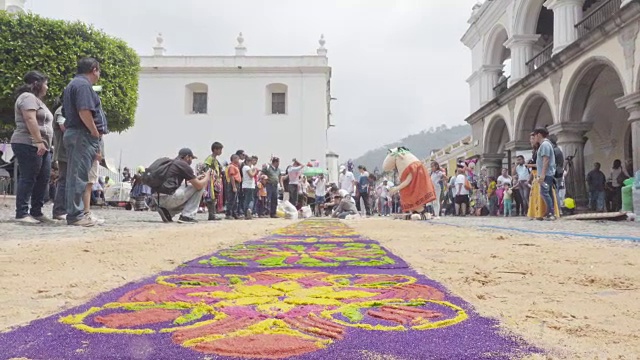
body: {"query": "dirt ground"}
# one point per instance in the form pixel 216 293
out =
pixel 577 298
pixel 39 278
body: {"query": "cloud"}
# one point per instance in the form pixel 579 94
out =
pixel 398 66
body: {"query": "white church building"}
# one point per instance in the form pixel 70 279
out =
pixel 571 65
pixel 264 105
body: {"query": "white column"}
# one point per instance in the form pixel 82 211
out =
pixel 566 14
pixel 631 103
pixel 521 47
pixel 489 75
pixel 493 164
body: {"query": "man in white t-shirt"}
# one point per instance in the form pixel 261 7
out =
pixel 383 193
pixel 321 191
pixel 462 194
pixel 249 185
pixel 294 173
pixel 347 180
pixel 523 173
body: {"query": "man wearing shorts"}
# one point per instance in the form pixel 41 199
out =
pixel 462 194
pixel 321 190
pixel 93 178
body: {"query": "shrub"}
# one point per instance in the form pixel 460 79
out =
pixel 30 42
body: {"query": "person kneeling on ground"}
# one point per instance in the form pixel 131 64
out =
pixel 186 199
pixel 346 207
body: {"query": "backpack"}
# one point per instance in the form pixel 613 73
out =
pixel 559 161
pixel 156 176
pixel 467 184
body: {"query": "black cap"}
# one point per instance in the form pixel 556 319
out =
pixel 184 152
pixel 542 131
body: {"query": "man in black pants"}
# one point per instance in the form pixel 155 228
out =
pixel 517 197
pixel 274 177
pixel 363 190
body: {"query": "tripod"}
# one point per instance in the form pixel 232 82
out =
pixel 570 179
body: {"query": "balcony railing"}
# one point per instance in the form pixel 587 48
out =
pixel 598 16
pixel 502 86
pixel 541 58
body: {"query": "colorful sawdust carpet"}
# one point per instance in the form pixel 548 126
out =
pixel 306 300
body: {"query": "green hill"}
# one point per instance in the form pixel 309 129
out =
pixel 420 144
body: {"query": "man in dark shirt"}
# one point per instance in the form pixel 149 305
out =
pixel 363 190
pixel 85 124
pixel 596 181
pixel 274 177
pixel 186 200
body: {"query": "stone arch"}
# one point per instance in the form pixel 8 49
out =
pixel 581 86
pixel 535 112
pixel 496 135
pixel 527 14
pixel 589 106
pixel 495 52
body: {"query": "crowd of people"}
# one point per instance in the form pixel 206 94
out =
pixel 240 189
pixel 535 188
pixel 58 153
pixel 68 143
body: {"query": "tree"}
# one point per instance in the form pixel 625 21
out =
pixel 30 42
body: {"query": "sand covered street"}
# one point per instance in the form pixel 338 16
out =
pixel 574 297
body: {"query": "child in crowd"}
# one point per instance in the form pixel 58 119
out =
pixel 262 196
pixel 492 196
pixel 235 180
pixel 507 198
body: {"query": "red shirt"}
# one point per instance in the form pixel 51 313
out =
pixel 234 173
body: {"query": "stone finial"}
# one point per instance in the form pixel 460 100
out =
pixel 241 50
pixel 158 49
pixel 13 6
pixel 322 51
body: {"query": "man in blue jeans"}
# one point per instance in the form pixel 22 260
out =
pixel 85 125
pixel 274 178
pixel 546 164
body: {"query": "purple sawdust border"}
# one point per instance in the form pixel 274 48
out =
pixel 475 338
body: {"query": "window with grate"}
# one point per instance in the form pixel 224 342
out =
pixel 199 103
pixel 278 103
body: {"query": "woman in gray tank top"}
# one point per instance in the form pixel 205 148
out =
pixel 31 143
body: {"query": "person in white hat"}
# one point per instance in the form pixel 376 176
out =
pixel 346 180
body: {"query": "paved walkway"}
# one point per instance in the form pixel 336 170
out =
pixel 313 290
pixel 612 230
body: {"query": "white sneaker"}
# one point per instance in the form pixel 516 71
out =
pixel 94 218
pixel 84 222
pixel 60 217
pixel 27 220
pixel 45 220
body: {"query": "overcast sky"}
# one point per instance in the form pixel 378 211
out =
pixel 398 65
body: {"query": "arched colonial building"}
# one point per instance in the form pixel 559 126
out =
pixel 570 65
